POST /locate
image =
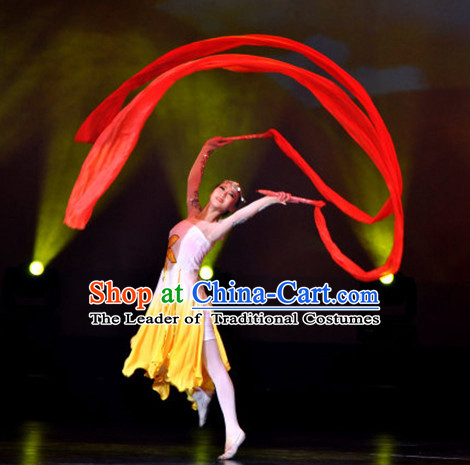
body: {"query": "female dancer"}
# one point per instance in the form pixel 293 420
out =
pixel 192 357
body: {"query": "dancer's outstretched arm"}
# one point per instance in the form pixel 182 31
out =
pixel 217 230
pixel 197 170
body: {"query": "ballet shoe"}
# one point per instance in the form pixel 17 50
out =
pixel 232 450
pixel 202 400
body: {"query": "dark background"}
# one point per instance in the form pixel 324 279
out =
pixel 61 59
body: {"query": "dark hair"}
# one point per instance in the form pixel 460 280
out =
pixel 241 200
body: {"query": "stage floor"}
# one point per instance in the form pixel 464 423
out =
pixel 35 442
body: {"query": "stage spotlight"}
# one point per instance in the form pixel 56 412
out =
pixel 206 272
pixel 387 279
pixel 36 268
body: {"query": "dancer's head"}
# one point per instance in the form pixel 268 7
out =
pixel 227 197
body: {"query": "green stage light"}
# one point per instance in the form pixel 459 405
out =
pixel 36 268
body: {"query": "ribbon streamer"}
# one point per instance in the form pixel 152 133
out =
pixel 115 131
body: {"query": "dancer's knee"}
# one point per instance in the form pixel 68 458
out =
pixel 212 361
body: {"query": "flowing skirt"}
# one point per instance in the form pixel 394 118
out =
pixel 172 354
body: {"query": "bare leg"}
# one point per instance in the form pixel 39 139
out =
pixel 225 392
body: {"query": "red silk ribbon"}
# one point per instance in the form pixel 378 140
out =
pixel 115 132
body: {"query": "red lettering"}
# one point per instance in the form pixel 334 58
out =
pixel 113 294
pixel 126 292
pixel 95 288
pixel 144 296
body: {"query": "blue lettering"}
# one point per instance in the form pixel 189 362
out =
pixel 369 296
pixel 231 295
pixel 280 290
pixel 219 294
pixel 325 290
pixel 353 296
pixel 342 296
pixel 243 295
pixel 259 295
pixel 303 295
pixel 314 291
pixel 195 292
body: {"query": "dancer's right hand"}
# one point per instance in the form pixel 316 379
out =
pixel 283 197
pixel 280 196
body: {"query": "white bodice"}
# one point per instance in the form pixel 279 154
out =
pixel 187 247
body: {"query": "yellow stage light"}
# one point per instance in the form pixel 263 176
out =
pixel 387 279
pixel 206 272
pixel 36 268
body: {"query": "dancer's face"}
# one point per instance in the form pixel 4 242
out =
pixel 225 197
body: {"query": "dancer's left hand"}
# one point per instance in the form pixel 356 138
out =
pixel 215 143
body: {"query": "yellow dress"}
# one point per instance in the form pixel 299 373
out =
pixel 172 354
